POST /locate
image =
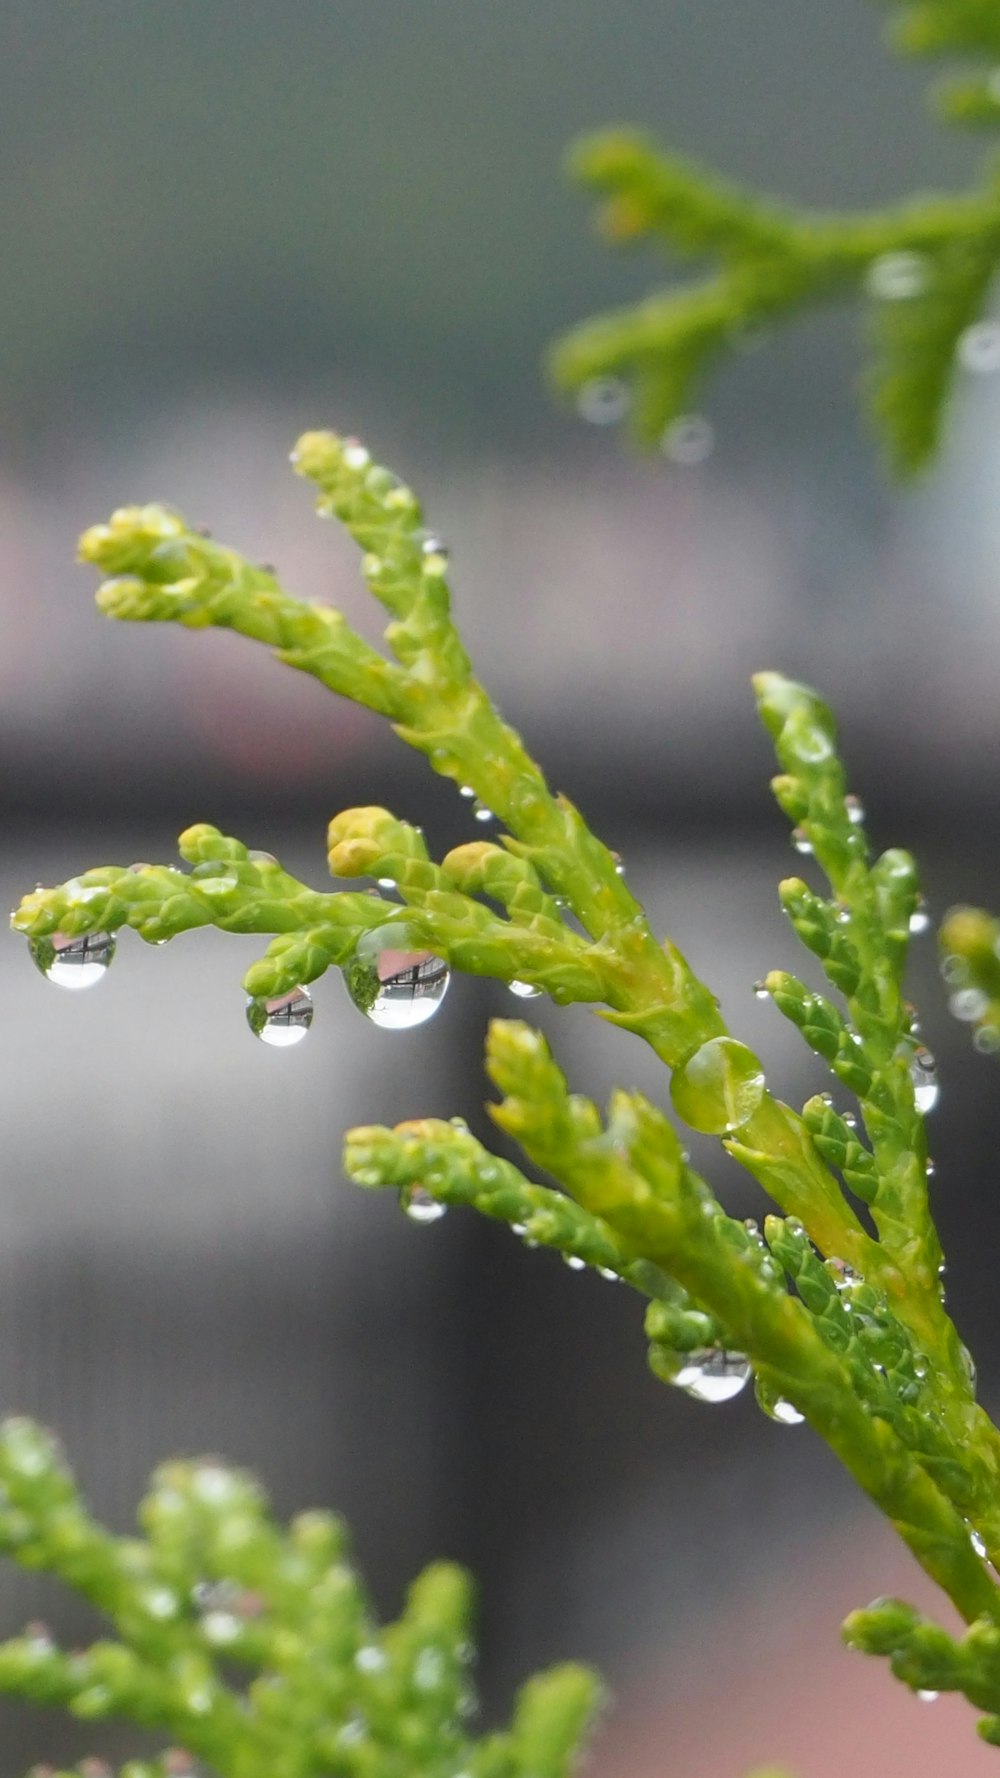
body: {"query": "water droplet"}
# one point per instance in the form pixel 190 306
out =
pixel 979 348
pixel 926 1696
pixel 370 1659
pixel 410 987
pixel 968 1003
pixel 855 810
pixel 74 962
pixel 466 790
pixel 760 990
pixel 968 1365
pixel 610 1274
pixel 783 1411
pixel 977 1543
pixel 524 990
pixel 801 841
pixel 893 277
pixel 719 1088
pixel 386 882
pixel 926 1090
pixel 688 440
pixel 850 1120
pixel 955 971
pixel 481 812
pixel 220 1627
pixel 283 1020
pixel 518 1228
pixel 574 1262
pixel 920 919
pixel 603 401
pixel 354 454
pixel 433 545
pixel 418 1204
pixel 987 1040
pixel 713 1374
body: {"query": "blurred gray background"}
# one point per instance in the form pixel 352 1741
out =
pixel 226 222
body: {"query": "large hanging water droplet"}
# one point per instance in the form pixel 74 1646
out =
pixel 74 962
pixel 718 1088
pixel 926 1090
pixel 761 991
pixel 417 1203
pixel 283 1020
pixel 894 277
pixel 713 1374
pixel 688 440
pixel 524 990
pixel 412 985
pixel 801 841
pixel 603 401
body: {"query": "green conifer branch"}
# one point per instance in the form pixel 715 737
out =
pixel 924 269
pixel 215 1587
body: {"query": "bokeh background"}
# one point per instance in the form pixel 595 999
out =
pixel 223 223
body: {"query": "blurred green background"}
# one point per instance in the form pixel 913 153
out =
pixel 221 223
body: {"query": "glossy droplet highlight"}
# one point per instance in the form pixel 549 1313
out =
pixel 688 440
pixel 74 962
pixel 978 1543
pixel 713 1374
pixel 416 1202
pixel 283 1020
pixel 719 1088
pixel 801 841
pixel 603 401
pixel 760 991
pixel 433 545
pixel 926 1696
pixel 895 277
pixel 524 990
pixel 411 987
pixel 855 810
pixel 481 812
pixel 926 1090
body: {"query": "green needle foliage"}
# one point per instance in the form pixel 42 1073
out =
pixel 254 1648
pixel 836 1311
pixel 922 270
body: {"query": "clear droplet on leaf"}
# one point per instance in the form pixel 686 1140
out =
pixel 411 987
pixel 760 990
pixel 713 1374
pixel 466 790
pixel 926 1696
pixel 419 1205
pixel 574 1262
pixel 920 919
pixel 978 1543
pixel 481 812
pixel 895 277
pixel 926 1090
pixel 433 545
pixel 801 841
pixel 603 401
pixel 855 810
pixel 688 440
pixel 283 1020
pixel 979 348
pixel 74 962
pixel 524 990
pixel 719 1088
pixel 784 1412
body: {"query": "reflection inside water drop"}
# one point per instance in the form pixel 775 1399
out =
pixel 74 962
pixel 412 985
pixel 524 990
pixel 926 1090
pixel 713 1374
pixel 283 1020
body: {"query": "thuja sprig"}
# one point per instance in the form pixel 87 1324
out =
pixel 841 1327
pixel 929 1660
pixel 924 269
pixel 254 1647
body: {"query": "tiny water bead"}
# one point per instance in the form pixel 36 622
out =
pixel 896 277
pixel 74 962
pixel 855 810
pixel 801 841
pixel 603 401
pixel 688 440
pixel 978 1543
pixel 719 1088
pixel 282 1021
pixel 433 545
pixel 524 990
pixel 481 812
pixel 574 1262
pixel 419 1205
pixel 979 348
pixel 926 1696
pixel 713 1373
pixel 411 987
